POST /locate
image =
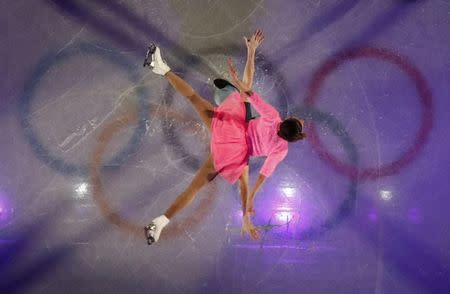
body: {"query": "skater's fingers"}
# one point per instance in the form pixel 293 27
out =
pixel 258 236
pixel 260 38
pixel 255 35
pixel 258 33
pixel 255 234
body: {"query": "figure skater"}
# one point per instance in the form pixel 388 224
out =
pixel 234 137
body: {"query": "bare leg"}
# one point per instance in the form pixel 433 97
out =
pixel 205 175
pixel 204 108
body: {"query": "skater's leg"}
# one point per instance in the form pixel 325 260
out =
pixel 204 175
pixel 204 108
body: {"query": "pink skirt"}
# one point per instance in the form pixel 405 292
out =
pixel 229 146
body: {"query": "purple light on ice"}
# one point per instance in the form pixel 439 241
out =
pixel 5 209
pixel 373 216
pixel 415 216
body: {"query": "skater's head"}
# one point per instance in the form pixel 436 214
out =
pixel 291 129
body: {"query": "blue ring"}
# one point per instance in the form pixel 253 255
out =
pixel 31 84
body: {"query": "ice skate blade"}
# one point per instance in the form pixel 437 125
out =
pixel 150 50
pixel 149 232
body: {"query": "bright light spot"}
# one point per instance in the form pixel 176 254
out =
pixel 82 189
pixel 284 216
pixel 386 195
pixel 289 191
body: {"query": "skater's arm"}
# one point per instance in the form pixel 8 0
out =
pixel 243 88
pixel 249 70
pixel 267 169
pixel 259 181
pixel 252 43
pixel 247 226
pixel 264 109
pixel 243 181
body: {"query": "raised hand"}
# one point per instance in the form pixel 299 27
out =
pixel 235 78
pixel 254 41
pixel 249 228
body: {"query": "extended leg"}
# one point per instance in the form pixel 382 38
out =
pixel 205 175
pixel 204 108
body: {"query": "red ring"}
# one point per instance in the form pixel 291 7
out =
pixel 426 101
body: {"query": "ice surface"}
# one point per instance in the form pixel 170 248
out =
pixel 94 146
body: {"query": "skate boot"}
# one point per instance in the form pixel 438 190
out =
pixel 157 64
pixel 153 230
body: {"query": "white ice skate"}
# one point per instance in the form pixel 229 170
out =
pixel 157 64
pixel 153 230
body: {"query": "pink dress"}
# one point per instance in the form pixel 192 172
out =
pixel 233 140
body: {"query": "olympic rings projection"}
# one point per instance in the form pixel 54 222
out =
pixel 425 98
pixel 32 84
pixel 140 116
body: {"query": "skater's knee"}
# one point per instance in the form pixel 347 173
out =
pixel 212 176
pixel 209 113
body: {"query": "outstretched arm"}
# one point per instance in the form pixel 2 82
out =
pixel 256 187
pixel 246 84
pixel 252 43
pixel 243 185
pixel 247 226
pixel 267 169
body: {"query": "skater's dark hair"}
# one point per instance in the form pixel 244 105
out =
pixel 291 129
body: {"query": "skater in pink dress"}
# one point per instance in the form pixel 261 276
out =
pixel 233 138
